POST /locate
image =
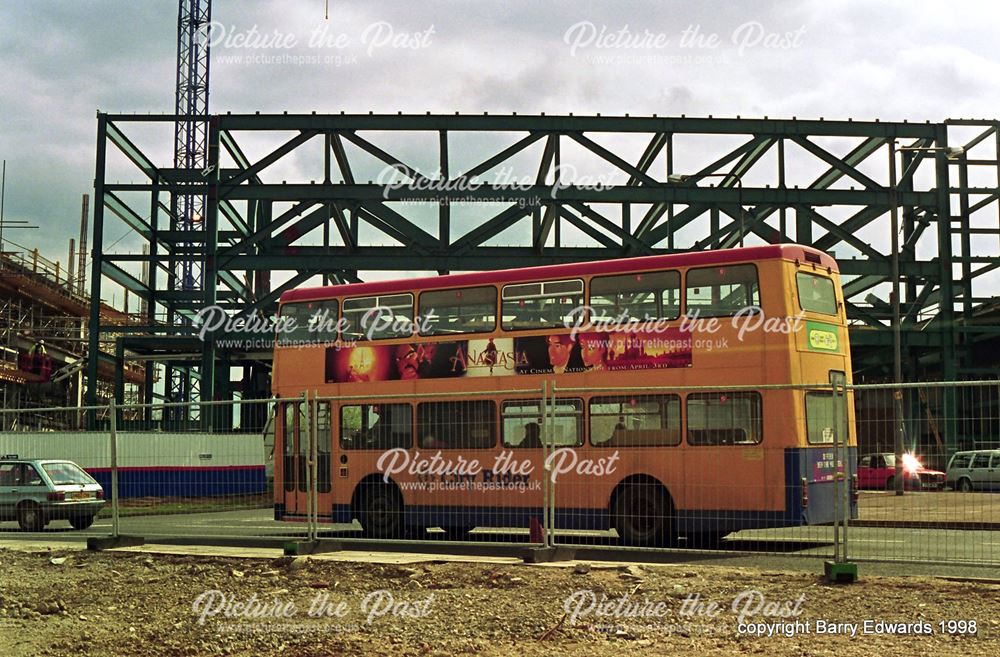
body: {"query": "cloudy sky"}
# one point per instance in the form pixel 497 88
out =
pixel 64 60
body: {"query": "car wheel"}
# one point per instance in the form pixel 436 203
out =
pixel 81 522
pixel 890 483
pixel 30 517
pixel 643 516
pixel 965 485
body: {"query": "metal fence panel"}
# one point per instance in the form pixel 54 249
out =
pixel 925 510
pixel 697 468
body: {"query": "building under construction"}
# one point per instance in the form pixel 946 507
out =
pixel 44 317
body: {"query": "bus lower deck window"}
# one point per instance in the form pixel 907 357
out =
pixel 724 418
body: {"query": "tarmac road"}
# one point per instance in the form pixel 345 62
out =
pixel 910 544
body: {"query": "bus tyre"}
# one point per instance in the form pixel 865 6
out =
pixel 642 515
pixel 965 485
pixel 81 522
pixel 30 517
pixel 381 512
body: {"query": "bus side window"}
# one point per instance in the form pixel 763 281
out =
pixel 457 424
pixel 376 426
pixel 521 422
pixel 378 318
pixel 722 291
pixel 467 310
pixel 650 295
pixel 635 421
pixel 727 418
pixel 540 305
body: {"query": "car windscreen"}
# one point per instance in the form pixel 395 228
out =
pixel 66 473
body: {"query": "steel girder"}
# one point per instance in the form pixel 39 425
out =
pixel 332 195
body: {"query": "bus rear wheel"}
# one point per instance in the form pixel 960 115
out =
pixel 381 512
pixel 643 515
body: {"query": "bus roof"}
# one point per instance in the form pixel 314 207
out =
pixel 615 266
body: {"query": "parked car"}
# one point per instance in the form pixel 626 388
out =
pixel 878 471
pixel 974 470
pixel 35 491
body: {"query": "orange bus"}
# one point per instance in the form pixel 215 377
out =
pixel 691 396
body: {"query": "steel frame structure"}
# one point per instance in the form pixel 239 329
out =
pixel 255 224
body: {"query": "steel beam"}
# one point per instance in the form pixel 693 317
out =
pixel 548 218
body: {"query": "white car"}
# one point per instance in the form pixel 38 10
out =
pixel 975 470
pixel 35 491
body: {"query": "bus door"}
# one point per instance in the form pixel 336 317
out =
pixel 294 458
pixel 295 452
pixel 324 484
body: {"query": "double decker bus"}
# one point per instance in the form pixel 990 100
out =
pixel 690 395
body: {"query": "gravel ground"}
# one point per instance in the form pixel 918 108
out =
pixel 81 603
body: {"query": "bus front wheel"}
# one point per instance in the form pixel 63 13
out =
pixel 643 515
pixel 381 512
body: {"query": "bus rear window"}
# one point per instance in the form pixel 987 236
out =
pixel 652 295
pixel 468 310
pixel 541 305
pixel 724 418
pixel 722 291
pixel 320 316
pixel 635 421
pixel 378 318
pixel 819 418
pixel 816 293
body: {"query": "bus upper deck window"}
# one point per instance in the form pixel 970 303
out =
pixel 378 317
pixel 315 321
pixel 466 310
pixel 722 291
pixel 546 304
pixel 649 295
pixel 816 293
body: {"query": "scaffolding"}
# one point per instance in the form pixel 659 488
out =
pixel 44 336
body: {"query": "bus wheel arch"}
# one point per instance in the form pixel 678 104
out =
pixel 378 505
pixel 642 512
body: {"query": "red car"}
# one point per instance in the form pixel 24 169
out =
pixel 878 471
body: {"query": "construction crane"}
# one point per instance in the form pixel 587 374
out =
pixel 194 18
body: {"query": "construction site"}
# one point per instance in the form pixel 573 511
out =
pixel 908 209
pixel 44 328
